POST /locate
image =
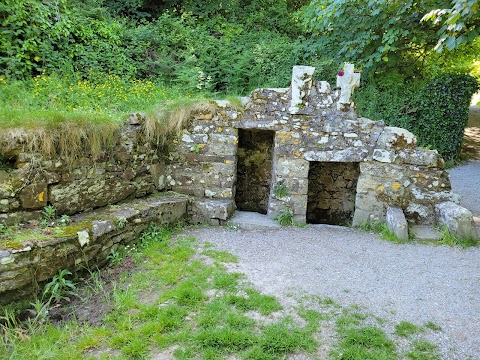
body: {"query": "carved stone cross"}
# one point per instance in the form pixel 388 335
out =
pixel 347 81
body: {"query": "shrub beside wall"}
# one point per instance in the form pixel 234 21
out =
pixel 436 111
pixel 443 113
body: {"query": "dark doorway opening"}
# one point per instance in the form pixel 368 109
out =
pixel 254 169
pixel 332 188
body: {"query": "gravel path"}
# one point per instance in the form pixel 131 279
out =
pixel 466 182
pixel 416 283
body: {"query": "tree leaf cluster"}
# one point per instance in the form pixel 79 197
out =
pixel 384 36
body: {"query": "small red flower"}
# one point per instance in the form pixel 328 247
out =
pixel 340 73
pixel 357 72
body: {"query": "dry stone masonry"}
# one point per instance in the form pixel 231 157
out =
pixel 335 166
pixel 301 149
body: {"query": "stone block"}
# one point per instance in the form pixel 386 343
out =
pixel 222 144
pixel 344 155
pixel 396 137
pixel 294 185
pixel 203 211
pixel 361 217
pixel 34 196
pixel 83 237
pixel 79 195
pixel 419 213
pixel 292 168
pixel 421 157
pixel 101 227
pixel 384 156
pixel 159 173
pixel 302 80
pixel 17 217
pixel 4 207
pixel 456 218
pixel 397 223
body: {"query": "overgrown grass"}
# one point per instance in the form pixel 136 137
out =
pixel 72 118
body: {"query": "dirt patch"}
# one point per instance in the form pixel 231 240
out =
pixel 471 142
pixel 93 300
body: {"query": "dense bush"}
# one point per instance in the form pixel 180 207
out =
pixel 443 112
pixel 436 110
pixel 389 98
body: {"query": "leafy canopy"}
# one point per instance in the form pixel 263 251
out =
pixel 460 23
pixel 372 33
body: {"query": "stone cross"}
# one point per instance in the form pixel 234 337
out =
pixel 347 81
pixel 302 80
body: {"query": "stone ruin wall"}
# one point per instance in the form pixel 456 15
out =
pixel 393 171
pixel 133 168
pixel 317 126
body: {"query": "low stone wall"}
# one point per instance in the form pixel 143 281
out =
pixel 132 168
pixel 85 244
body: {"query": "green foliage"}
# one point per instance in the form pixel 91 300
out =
pixel 220 46
pixel 432 326
pixel 390 98
pixel 370 33
pixel 405 329
pixel 60 288
pixel 460 23
pixel 27 26
pixel 65 219
pixel 285 217
pixel 423 350
pixel 121 222
pixel 436 111
pixel 447 238
pixel 115 257
pixel 382 229
pixel 443 113
pixel 280 190
pixel 49 213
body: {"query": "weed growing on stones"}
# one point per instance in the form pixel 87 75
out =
pixel 285 217
pixel 447 238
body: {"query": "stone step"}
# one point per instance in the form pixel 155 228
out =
pixel 252 221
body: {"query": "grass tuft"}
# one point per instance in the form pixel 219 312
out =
pixel 382 229
pixel 423 350
pixel 447 238
pixel 365 343
pixel 406 329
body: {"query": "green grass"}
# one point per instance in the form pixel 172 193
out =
pixel 406 329
pixel 365 343
pixel 423 350
pixel 202 309
pixel 382 229
pixel 175 303
pixel 221 256
pixel 432 326
pixel 447 238
pixel 76 117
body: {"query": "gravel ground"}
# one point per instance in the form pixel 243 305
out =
pixel 397 282
pixel 466 182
